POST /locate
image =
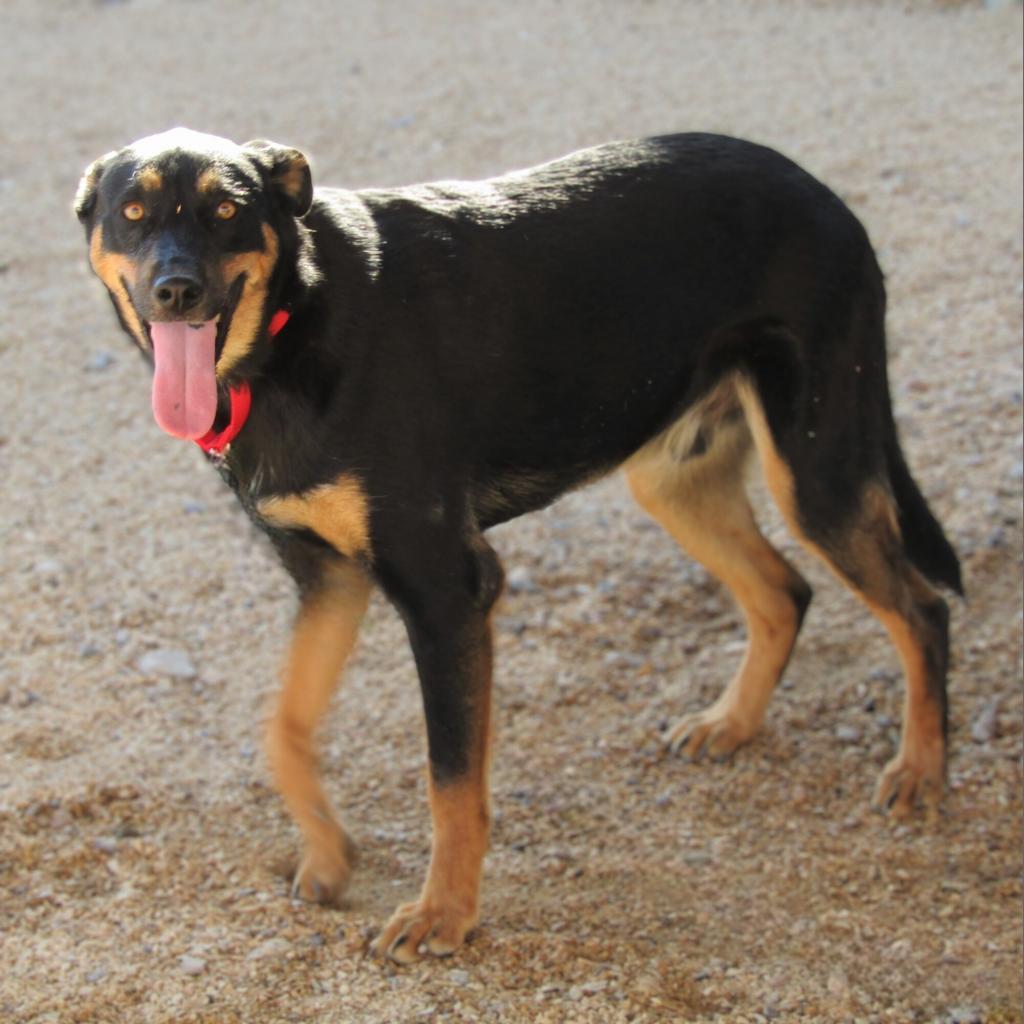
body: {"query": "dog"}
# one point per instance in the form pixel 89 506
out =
pixel 382 375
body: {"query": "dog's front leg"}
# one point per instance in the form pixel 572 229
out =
pixel 324 634
pixel 450 631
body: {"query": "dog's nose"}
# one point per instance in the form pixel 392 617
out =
pixel 177 293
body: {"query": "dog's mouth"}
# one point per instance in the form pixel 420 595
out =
pixel 185 358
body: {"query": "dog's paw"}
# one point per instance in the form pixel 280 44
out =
pixel 418 928
pixel 714 732
pixel 324 873
pixel 905 781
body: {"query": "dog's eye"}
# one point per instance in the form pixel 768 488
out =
pixel 226 210
pixel 133 211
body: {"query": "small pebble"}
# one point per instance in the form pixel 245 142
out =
pixel 519 581
pixel 61 818
pixel 848 734
pixel 883 675
pixel 167 662
pixel 965 1015
pixel 192 965
pixel 268 949
pixel 996 539
pixel 986 725
pixel 511 624
pixel 623 658
pixel 458 977
pixel 837 984
pixel 880 751
pixel 697 857
pixel 105 844
pixel 98 362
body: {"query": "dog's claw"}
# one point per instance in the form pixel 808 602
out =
pixel 677 744
pixel 323 875
pixel 715 733
pixel 903 784
pixel 415 930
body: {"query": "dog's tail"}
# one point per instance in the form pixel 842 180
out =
pixel 925 543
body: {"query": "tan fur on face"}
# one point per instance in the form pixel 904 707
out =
pixel 209 181
pixel 248 314
pixel 337 512
pixel 116 270
pixel 150 179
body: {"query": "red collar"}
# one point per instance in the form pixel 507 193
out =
pixel 215 442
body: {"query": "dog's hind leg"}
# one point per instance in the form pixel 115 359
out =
pixel 702 502
pixel 324 634
pixel 859 537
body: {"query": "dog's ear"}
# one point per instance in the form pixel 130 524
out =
pixel 288 171
pixel 85 197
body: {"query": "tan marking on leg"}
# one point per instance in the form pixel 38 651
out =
pixel 248 315
pixel 777 475
pixel 701 502
pixel 324 635
pixel 337 512
pixel 461 822
pixel 918 770
pixel 708 415
pixel 150 179
pixel 448 906
pixel 896 593
pixel 116 270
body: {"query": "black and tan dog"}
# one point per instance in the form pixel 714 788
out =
pixel 383 375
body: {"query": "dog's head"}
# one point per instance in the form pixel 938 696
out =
pixel 186 231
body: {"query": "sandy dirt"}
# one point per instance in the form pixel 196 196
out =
pixel 139 837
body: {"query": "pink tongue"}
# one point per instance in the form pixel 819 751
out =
pixel 185 385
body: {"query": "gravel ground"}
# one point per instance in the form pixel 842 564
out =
pixel 139 838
